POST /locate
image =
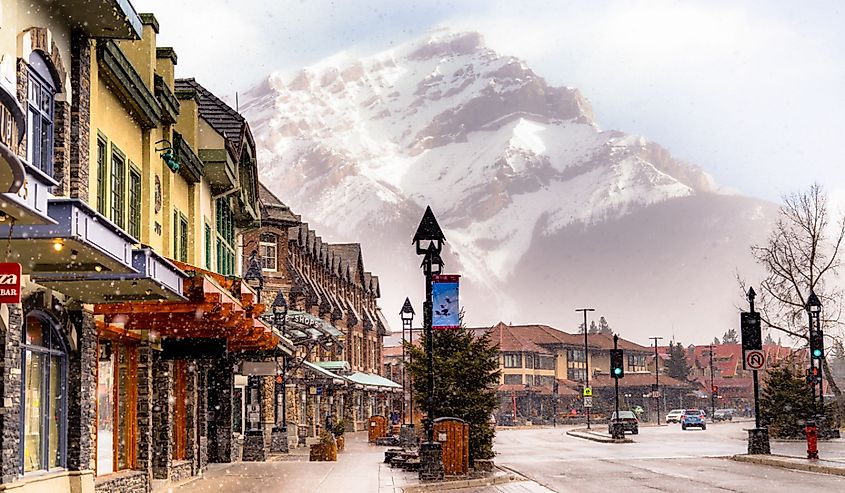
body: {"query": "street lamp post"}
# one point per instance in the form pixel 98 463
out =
pixel 431 454
pixel 407 313
pixel 254 277
pixel 656 378
pixel 586 361
pixel 280 312
pixel 712 386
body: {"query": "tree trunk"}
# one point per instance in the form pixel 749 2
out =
pixel 840 399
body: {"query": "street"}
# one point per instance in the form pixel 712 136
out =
pixel 662 459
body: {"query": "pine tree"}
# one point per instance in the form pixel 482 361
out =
pixel 593 328
pixel 716 341
pixel 466 371
pixel 678 366
pixel 785 402
pixel 604 327
pixel 730 337
pixel 769 341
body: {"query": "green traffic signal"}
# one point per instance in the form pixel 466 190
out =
pixel 617 371
pixel 817 353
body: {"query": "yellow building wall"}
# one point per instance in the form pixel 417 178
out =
pixel 142 53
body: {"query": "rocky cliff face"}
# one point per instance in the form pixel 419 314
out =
pixel 508 163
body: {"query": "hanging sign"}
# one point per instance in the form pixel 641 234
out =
pixel 10 282
pixel 445 306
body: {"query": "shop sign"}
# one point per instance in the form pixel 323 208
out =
pixel 445 305
pixel 10 282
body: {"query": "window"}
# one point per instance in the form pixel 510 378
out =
pixel 116 406
pixel 576 365
pixel 636 363
pixel 40 95
pixel 267 250
pixel 118 181
pixel 102 172
pixel 180 236
pixel 134 203
pixel 545 381
pixel 44 396
pixel 513 360
pixel 208 247
pixel 545 362
pixel 529 379
pixel 513 379
pixel 529 360
pixel 225 238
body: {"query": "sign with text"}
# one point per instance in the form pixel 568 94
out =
pixel 10 282
pixel 444 297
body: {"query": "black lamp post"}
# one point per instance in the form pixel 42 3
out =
pixel 280 313
pixel 586 365
pixel 656 391
pixel 407 313
pixel 254 276
pixel 431 455
pixel 814 309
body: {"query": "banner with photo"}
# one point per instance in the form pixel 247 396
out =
pixel 446 310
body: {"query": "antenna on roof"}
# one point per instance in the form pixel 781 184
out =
pixel 237 106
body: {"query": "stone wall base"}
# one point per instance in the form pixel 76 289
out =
pixel 123 482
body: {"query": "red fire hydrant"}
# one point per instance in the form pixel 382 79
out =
pixel 812 433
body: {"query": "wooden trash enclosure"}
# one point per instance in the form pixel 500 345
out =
pixel 453 435
pixel 377 428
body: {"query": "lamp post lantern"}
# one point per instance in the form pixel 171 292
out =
pixel 407 313
pixel 586 362
pixel 253 277
pixel 429 240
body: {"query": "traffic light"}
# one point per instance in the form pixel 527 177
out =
pixel 814 375
pixel 817 344
pixel 617 363
pixel 715 390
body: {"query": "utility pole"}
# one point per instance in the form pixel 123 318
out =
pixel 712 386
pixel 586 361
pixel 656 378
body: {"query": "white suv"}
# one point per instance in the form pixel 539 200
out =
pixel 674 416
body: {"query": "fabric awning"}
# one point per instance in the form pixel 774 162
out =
pixel 324 373
pixel 373 380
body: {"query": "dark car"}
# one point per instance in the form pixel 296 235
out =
pixel 723 415
pixel 692 418
pixel 628 420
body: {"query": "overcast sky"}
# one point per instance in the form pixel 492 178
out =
pixel 753 92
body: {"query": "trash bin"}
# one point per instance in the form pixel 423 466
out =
pixel 453 435
pixel 377 428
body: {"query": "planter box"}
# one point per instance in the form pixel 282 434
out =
pixel 323 452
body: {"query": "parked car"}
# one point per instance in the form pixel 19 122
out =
pixel 693 418
pixel 723 415
pixel 629 422
pixel 674 416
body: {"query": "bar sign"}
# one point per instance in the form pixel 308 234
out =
pixel 10 282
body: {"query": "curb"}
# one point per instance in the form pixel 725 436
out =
pixel 463 483
pixel 787 464
pixel 588 435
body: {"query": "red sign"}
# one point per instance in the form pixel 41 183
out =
pixel 10 282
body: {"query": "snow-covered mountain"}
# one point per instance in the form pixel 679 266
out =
pixel 517 172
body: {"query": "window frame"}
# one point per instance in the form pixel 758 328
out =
pixel 266 242
pixel 50 326
pixel 103 175
pixel 513 377
pixel 636 363
pixel 225 237
pixel 117 182
pixel 133 184
pixel 512 360
pixel 131 431
pixel 45 86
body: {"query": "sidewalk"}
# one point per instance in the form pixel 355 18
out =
pixel 834 466
pixel 359 468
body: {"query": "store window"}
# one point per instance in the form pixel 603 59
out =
pixel 44 397
pixel 41 93
pixel 116 406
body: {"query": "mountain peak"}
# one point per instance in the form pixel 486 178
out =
pixel 447 43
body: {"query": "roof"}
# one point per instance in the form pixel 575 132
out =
pixel 349 255
pixel 222 117
pixel 273 209
pixel 606 342
pixel 334 366
pixel 538 338
pixel 372 379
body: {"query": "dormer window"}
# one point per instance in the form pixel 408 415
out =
pixel 268 250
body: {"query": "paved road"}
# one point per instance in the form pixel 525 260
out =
pixel 662 459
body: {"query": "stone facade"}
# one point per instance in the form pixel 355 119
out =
pixel 162 417
pixel 145 412
pixel 10 418
pixel 82 392
pixel 124 482
pixel 80 115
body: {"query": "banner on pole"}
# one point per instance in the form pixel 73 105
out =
pixel 445 305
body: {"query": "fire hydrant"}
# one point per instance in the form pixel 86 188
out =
pixel 812 433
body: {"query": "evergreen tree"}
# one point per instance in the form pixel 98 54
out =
pixel 466 371
pixel 730 337
pixel 716 341
pixel 580 328
pixel 604 327
pixel 678 366
pixel 593 328
pixel 785 402
pixel 769 341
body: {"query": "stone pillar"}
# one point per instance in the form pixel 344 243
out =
pixel 202 414
pixel 221 381
pixel 162 436
pixel 268 405
pixel 82 393
pixel 10 391
pixel 145 409
pixel 80 115
pixel 191 427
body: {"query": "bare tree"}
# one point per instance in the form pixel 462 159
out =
pixel 802 254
